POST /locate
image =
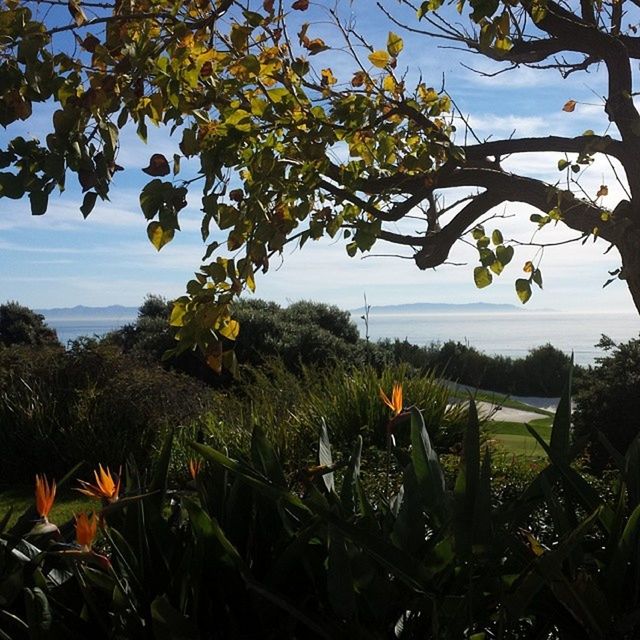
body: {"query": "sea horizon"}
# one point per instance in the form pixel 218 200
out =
pixel 505 333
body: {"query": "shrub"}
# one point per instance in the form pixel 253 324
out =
pixel 539 373
pixel 290 408
pixel 90 403
pixel 21 325
pixel 608 400
pixel 249 551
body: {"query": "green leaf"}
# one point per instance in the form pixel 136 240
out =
pixel 632 472
pixel 395 44
pixel 88 203
pixel 496 237
pixel 351 474
pixel 158 485
pixel 482 277
pixel 324 456
pixel 467 483
pixel 523 289
pixel 478 232
pixel 563 164
pixel 265 458
pixel 340 585
pixel 249 476
pixel 379 59
pixel 168 623
pixel 426 465
pixel 504 254
pixel 561 430
pixel 39 201
pixel 38 612
pixel 497 267
pixel 536 276
pixel 159 236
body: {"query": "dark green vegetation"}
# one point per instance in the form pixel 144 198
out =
pixel 21 325
pixel 450 529
pixel 310 333
pixel 249 550
pixel 608 401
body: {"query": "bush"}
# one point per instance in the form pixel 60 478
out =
pixel 540 373
pixel 21 325
pixel 90 403
pixel 248 550
pixel 608 400
pixel 291 407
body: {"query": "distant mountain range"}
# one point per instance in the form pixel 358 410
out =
pixel 80 312
pixel 441 307
pixel 118 311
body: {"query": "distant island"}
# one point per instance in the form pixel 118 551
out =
pixel 80 312
pixel 442 307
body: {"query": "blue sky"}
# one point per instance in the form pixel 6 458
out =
pixel 59 259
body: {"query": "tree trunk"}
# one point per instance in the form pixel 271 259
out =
pixel 629 247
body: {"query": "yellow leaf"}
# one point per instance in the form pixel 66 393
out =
pixel 76 13
pixel 534 544
pixel 379 59
pixel 251 283
pixel 528 266
pixel 230 330
pixel 569 106
pixel 159 236
pixel 327 77
pixel 602 191
pixel 389 84
pixel 215 362
pixel 394 44
pixel 177 314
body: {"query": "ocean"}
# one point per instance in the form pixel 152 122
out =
pixel 508 334
pixel 72 328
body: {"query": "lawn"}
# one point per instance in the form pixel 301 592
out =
pixel 513 437
pixel 67 503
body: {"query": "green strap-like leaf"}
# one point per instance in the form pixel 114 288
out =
pixel 426 466
pixel 561 430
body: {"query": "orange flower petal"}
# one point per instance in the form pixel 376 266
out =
pixel 45 495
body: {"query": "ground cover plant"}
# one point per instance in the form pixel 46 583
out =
pixel 247 549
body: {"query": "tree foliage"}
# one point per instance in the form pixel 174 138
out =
pixel 287 147
pixel 21 325
pixel 608 401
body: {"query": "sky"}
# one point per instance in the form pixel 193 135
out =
pixel 61 260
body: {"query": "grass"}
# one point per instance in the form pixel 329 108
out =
pixel 513 437
pixel 67 503
pixel 499 399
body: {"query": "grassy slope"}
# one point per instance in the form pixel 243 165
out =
pixel 67 503
pixel 514 438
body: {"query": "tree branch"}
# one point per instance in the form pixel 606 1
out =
pixel 600 144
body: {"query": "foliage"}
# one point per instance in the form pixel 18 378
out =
pixel 260 126
pixel 608 401
pixel 303 334
pixel 89 404
pixel 540 373
pixel 288 407
pixel 246 551
pixel 21 325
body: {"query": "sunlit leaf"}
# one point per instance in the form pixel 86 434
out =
pixel 159 236
pixel 482 277
pixel 395 44
pixel 379 59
